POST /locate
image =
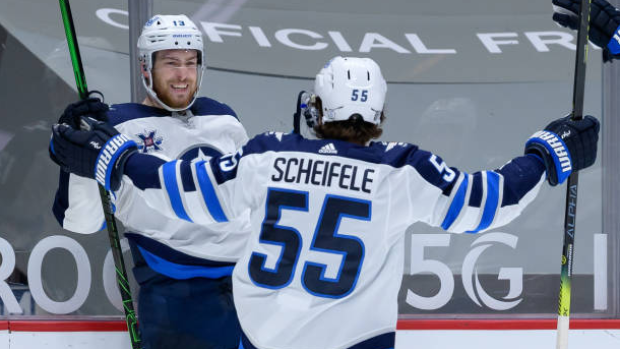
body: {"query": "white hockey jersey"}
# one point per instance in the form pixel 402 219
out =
pixel 324 262
pixel 209 129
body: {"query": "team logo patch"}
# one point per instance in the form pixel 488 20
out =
pixel 200 151
pixel 150 141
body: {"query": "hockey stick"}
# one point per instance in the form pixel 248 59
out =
pixel 570 213
pixel 298 112
pixel 121 274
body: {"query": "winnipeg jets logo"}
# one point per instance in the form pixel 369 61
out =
pixel 150 140
pixel 95 145
pixel 201 151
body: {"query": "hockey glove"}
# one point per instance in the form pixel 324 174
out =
pixel 306 110
pixel 604 23
pixel 91 107
pixel 564 146
pixel 99 153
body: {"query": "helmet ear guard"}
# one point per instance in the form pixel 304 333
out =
pixel 169 32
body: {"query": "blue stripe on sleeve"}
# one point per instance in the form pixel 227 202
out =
pixel 170 179
pixel 457 204
pixel 491 203
pixel 208 192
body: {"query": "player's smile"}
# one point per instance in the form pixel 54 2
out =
pixel 180 90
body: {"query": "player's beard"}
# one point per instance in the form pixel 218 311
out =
pixel 173 99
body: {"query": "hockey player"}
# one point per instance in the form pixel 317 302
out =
pixel 185 298
pixel 329 216
pixel 604 23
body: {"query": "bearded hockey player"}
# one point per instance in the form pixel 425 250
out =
pixel 185 298
pixel 324 261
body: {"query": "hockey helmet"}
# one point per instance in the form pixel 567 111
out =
pixel 348 86
pixel 169 32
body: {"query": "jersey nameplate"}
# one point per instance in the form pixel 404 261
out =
pixel 323 173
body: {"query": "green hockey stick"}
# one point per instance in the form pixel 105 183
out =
pixel 121 274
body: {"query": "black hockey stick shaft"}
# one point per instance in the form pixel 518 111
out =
pixel 297 115
pixel 119 263
pixel 570 213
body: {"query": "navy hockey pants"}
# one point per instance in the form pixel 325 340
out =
pixel 196 313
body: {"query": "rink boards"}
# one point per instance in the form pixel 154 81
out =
pixel 427 334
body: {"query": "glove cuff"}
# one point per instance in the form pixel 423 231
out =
pixel 108 156
pixel 554 153
pixel 119 169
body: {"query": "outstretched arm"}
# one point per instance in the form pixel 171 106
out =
pixel 195 191
pixel 489 199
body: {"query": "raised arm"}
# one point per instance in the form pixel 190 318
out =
pixel 77 206
pixel 462 202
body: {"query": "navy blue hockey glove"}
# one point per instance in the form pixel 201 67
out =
pixel 91 107
pixel 99 153
pixel 604 23
pixel 565 145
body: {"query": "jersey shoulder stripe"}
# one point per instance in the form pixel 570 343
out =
pixel 428 165
pixel 272 141
pixel 396 155
pixel 208 106
pixel 120 113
